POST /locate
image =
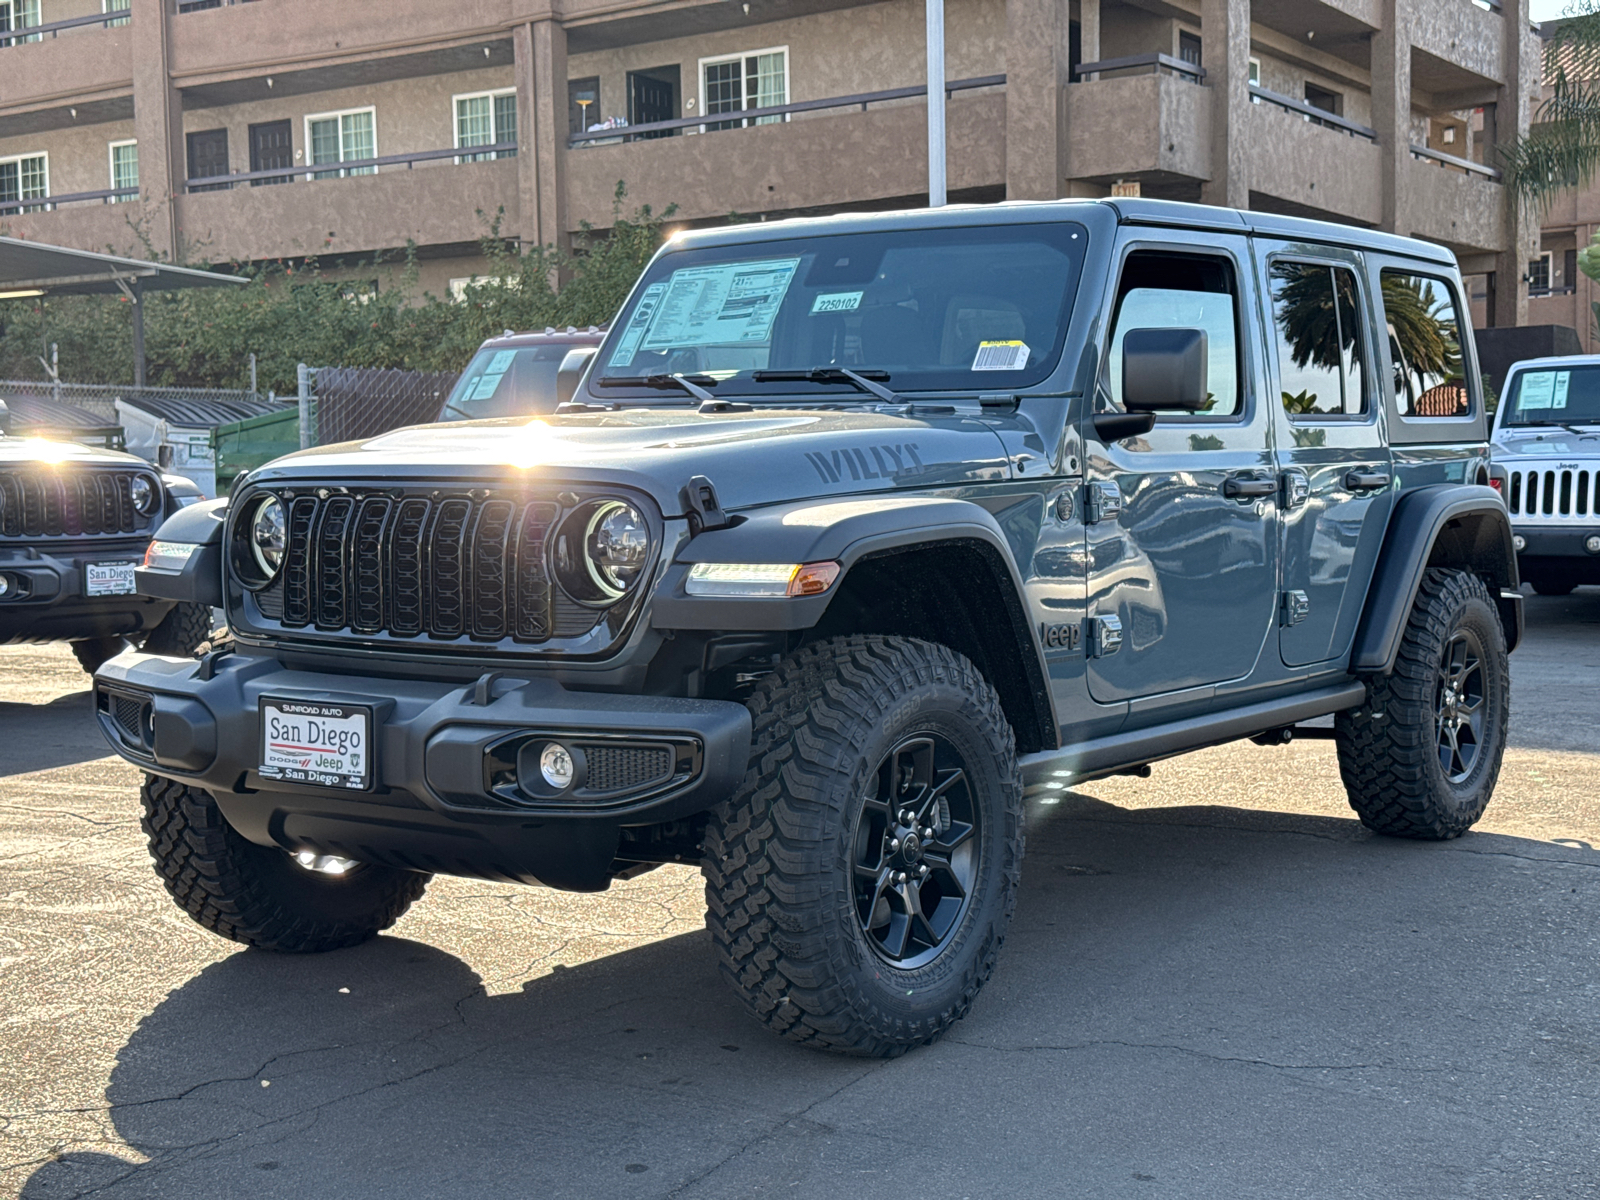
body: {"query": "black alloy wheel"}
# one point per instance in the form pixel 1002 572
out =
pixel 1458 705
pixel 916 851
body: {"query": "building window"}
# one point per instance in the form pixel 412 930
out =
pixel 1321 97
pixel 1255 72
pixel 1569 270
pixel 25 177
pixel 111 6
pixel 1539 274
pixel 1189 47
pixel 343 137
pixel 759 79
pixel 484 119
pixel 18 14
pixel 124 168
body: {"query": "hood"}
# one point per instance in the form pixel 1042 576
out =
pixel 1545 441
pixel 17 451
pixel 754 458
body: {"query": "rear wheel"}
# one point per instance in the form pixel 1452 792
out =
pixel 259 895
pixel 1421 757
pixel 860 884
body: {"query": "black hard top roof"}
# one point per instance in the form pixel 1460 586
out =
pixel 1166 213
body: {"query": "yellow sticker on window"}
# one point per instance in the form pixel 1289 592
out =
pixel 1001 356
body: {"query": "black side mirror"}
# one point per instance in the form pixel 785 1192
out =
pixel 571 371
pixel 1164 370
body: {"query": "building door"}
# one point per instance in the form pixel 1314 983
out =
pixel 1189 48
pixel 653 96
pixel 1181 522
pixel 1335 465
pixel 208 156
pixel 272 149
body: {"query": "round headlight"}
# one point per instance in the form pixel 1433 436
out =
pixel 617 545
pixel 267 535
pixel 144 494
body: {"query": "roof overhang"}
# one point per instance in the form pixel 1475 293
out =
pixel 37 269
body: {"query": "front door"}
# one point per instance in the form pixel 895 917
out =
pixel 208 156
pixel 272 149
pixel 1182 526
pixel 1337 484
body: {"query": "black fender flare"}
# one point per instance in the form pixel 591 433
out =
pixel 1441 525
pixel 847 531
pixel 199 579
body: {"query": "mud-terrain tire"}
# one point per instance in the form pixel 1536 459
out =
pixel 1420 758
pixel 855 742
pixel 258 895
pixel 185 632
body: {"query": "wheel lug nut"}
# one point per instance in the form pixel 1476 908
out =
pixel 922 870
pixel 894 843
pixel 900 878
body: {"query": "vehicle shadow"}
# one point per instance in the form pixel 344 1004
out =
pixel 1248 995
pixel 39 737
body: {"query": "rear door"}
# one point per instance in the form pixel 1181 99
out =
pixel 1185 572
pixel 1337 479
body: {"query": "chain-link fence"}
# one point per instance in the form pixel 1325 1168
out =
pixel 346 404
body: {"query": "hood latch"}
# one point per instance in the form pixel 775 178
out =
pixel 699 497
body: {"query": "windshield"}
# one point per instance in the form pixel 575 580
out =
pixel 964 308
pixel 1569 396
pixel 507 383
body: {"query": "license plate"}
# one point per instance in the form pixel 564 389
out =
pixel 306 741
pixel 108 579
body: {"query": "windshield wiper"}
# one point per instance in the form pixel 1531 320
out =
pixel 863 379
pixel 1567 425
pixel 695 385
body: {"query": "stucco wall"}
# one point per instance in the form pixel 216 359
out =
pixel 80 64
pixel 1463 211
pixel 80 160
pixel 1292 159
pixel 1138 124
pixel 411 114
pixel 830 54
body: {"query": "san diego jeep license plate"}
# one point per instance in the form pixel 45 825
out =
pixel 306 741
pixel 108 579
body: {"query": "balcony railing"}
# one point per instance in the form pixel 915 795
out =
pixel 655 129
pixel 1535 293
pixel 1153 62
pixel 11 208
pixel 354 166
pixel 34 33
pixel 1317 116
pixel 1451 163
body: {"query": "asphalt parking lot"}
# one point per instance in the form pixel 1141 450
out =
pixel 1217 985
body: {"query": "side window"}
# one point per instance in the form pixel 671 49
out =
pixel 1425 326
pixel 1183 291
pixel 1322 353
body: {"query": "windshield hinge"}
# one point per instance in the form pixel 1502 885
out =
pixel 700 503
pixel 998 400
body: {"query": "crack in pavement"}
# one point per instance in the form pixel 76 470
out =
pixel 1072 1047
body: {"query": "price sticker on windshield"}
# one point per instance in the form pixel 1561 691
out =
pixel 1001 356
pixel 836 302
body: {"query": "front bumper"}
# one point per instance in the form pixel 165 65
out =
pixel 444 794
pixel 1541 541
pixel 46 601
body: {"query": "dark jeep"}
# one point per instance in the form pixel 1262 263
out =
pixel 75 521
pixel 856 529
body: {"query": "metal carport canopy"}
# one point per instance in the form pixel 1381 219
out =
pixel 30 269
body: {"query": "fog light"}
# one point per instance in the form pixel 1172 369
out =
pixel 1592 545
pixel 5 586
pixel 1519 543
pixel 555 764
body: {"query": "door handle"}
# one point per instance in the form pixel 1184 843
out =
pixel 1365 481
pixel 1244 487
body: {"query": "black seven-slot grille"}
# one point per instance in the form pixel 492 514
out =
pixel 438 565
pixel 68 502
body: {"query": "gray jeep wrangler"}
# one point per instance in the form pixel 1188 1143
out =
pixel 856 529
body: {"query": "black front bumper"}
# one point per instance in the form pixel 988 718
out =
pixel 46 600
pixel 1558 551
pixel 444 795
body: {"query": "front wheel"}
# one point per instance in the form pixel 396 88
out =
pixel 1421 757
pixel 259 895
pixel 861 882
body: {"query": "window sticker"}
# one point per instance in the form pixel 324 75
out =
pixel 836 302
pixel 637 324
pixel 1001 356
pixel 486 387
pixel 721 305
pixel 501 362
pixel 1538 388
pixel 1558 396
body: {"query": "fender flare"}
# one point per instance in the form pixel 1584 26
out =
pixel 847 532
pixel 199 580
pixel 1453 525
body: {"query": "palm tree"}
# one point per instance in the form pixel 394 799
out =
pixel 1563 148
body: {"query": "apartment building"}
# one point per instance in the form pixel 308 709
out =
pixel 265 129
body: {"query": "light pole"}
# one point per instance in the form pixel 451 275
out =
pixel 936 183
